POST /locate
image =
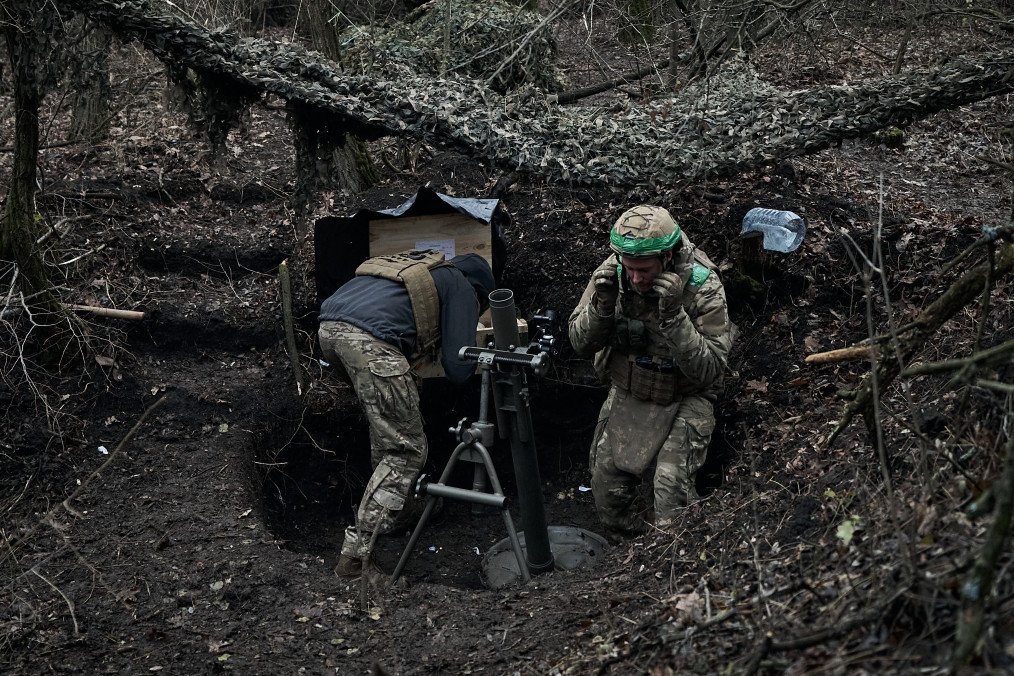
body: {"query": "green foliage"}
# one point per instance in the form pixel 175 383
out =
pixel 847 530
pixel 892 137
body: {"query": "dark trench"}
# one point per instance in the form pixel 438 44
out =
pixel 312 469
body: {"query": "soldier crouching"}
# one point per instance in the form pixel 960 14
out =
pixel 654 316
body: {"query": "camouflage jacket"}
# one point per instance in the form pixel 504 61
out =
pixel 697 341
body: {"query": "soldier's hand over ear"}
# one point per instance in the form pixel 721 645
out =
pixel 669 288
pixel 606 291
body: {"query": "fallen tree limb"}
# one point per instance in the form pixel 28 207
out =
pixel 591 90
pixel 822 635
pixel 962 292
pixel 768 645
pixel 1005 388
pixel 841 354
pixel 994 356
pixel 113 313
pixel 133 315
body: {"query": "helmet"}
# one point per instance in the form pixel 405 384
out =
pixel 644 231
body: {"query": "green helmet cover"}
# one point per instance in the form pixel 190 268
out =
pixel 644 247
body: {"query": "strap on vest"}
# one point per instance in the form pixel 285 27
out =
pixel 412 268
pixel 699 274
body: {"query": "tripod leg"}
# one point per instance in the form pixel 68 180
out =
pixel 519 553
pixel 407 554
pixel 431 500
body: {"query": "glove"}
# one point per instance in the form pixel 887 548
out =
pixel 606 291
pixel 669 289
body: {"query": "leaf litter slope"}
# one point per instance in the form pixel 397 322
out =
pixel 174 559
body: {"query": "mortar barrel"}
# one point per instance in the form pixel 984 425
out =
pixel 505 319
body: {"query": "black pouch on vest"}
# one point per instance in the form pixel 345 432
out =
pixel 630 335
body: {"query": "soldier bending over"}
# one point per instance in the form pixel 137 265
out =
pixel 398 310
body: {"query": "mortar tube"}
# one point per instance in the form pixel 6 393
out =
pixel 514 398
pixel 505 319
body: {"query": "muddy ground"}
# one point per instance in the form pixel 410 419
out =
pixel 206 542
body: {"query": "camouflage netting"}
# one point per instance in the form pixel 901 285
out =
pixel 733 84
pixel 491 41
pixel 666 142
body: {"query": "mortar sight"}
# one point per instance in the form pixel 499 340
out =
pixel 542 329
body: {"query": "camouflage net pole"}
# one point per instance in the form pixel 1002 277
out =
pixel 669 142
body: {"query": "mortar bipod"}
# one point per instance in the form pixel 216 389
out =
pixel 472 443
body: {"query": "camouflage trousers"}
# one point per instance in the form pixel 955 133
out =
pixel 690 422
pixel 380 375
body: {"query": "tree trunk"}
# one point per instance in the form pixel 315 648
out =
pixel 51 334
pixel 90 100
pixel 640 26
pixel 340 161
pixel 3 63
pixel 316 19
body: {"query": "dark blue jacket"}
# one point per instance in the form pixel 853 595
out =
pixel 381 307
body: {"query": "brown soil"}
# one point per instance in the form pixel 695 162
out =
pixel 208 542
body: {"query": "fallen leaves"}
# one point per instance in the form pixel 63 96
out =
pixel 847 530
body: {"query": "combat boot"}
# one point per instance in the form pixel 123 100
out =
pixel 348 567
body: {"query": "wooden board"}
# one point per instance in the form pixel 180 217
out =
pixel 454 234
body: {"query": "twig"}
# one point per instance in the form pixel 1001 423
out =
pixel 97 249
pixel 874 425
pixel 1003 232
pixel 112 455
pixel 718 619
pixel 979 585
pixel 926 324
pixel 91 138
pixel 560 9
pixel 55 228
pixel 987 290
pixel 70 606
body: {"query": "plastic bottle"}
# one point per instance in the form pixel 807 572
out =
pixel 783 231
